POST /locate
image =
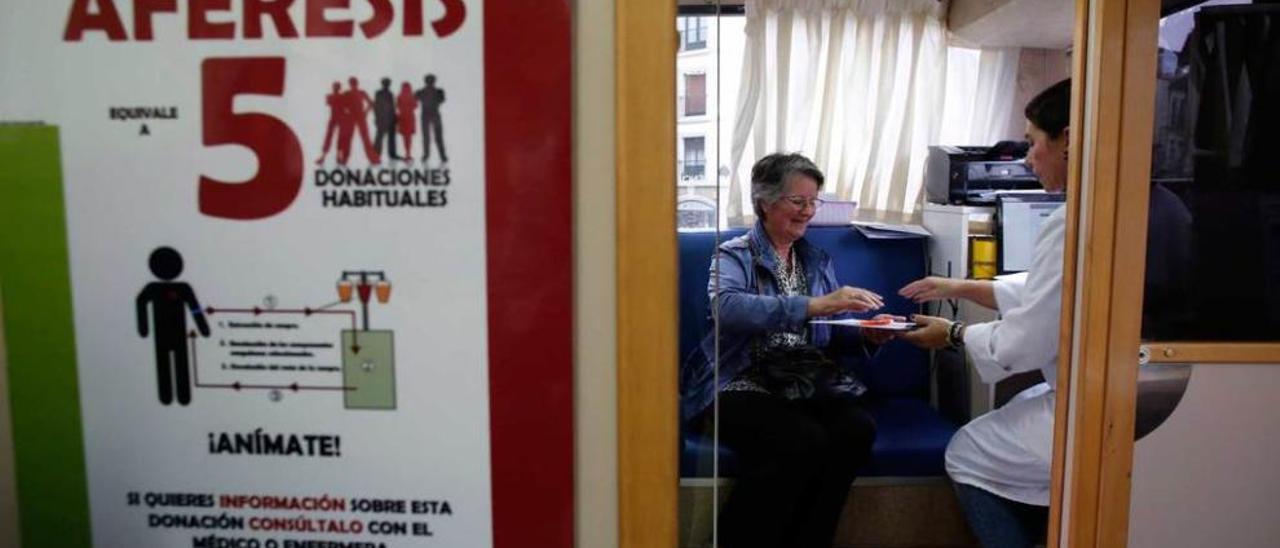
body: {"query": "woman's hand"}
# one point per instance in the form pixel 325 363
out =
pixel 845 299
pixel 931 332
pixel 932 288
pixel 881 336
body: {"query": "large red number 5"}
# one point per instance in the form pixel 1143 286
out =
pixel 279 178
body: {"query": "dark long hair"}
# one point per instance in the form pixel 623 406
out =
pixel 1051 109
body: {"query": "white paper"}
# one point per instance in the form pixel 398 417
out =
pixel 892 326
pixel 914 230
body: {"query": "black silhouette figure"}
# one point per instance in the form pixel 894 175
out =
pixel 170 302
pixel 430 97
pixel 384 119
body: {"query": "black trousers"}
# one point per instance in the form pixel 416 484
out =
pixel 386 130
pixel 797 460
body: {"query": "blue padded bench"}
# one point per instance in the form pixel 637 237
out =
pixel 911 435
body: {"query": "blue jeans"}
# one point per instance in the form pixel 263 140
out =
pixel 999 522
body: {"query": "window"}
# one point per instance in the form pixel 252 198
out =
pixel 695 94
pixel 693 33
pixel 1213 221
pixel 707 78
pixel 694 164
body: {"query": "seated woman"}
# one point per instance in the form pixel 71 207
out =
pixel 788 411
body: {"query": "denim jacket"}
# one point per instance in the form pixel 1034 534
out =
pixel 749 305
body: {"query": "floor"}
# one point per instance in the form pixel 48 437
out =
pixel 880 513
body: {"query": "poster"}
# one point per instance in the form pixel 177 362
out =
pixel 317 272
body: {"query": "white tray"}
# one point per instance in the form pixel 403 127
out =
pixel 893 326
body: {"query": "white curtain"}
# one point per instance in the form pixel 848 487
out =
pixel 981 87
pixel 857 85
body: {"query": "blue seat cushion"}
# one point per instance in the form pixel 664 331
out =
pixel 697 451
pixel 911 438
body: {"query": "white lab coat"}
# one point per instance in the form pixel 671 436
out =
pixel 1009 450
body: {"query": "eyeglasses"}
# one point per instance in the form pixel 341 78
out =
pixel 800 201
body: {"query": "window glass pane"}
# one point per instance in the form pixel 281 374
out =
pixel 695 161
pixel 701 70
pixel 693 33
pixel 1213 246
pixel 713 434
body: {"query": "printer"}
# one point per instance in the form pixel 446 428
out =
pixel 973 174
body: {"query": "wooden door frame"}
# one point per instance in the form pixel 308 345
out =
pixel 1114 102
pixel 647 301
pixel 1112 120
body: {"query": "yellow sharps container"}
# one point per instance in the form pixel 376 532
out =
pixel 982 257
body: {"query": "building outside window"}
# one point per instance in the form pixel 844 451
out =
pixel 708 72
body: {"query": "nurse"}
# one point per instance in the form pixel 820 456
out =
pixel 1000 461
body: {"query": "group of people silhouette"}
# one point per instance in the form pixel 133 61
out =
pixel 392 113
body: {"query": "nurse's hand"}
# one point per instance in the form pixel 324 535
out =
pixel 931 332
pixel 881 336
pixel 932 288
pixel 844 299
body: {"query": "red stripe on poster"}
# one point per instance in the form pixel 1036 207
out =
pixel 528 142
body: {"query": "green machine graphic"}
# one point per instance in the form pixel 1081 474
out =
pixel 368 369
pixel 368 355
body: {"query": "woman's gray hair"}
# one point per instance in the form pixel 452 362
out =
pixel 770 175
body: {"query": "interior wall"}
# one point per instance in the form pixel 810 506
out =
pixel 595 347
pixel 961 13
pixel 1037 69
pixel 1207 476
pixel 1004 23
